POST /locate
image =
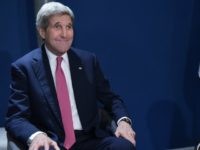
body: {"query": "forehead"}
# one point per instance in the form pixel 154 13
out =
pixel 60 18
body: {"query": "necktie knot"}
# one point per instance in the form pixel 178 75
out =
pixel 59 60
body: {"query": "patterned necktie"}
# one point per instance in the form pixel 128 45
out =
pixel 64 103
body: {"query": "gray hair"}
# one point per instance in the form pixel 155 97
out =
pixel 50 9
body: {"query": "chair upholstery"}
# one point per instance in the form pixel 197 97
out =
pixel 184 148
pixel 3 139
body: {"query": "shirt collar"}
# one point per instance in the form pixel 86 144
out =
pixel 52 56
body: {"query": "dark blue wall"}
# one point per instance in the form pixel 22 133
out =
pixel 148 49
pixel 17 37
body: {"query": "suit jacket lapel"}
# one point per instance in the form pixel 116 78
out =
pixel 42 70
pixel 78 81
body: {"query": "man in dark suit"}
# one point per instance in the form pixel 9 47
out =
pixel 35 113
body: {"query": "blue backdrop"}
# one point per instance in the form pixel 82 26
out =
pixel 149 50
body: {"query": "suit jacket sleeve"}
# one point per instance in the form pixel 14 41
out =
pixel 19 113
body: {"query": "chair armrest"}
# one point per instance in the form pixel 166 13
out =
pixel 106 121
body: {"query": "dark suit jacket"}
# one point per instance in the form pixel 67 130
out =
pixel 33 104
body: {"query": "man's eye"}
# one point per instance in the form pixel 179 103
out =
pixel 57 26
pixel 69 27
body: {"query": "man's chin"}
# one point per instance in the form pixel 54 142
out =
pixel 63 49
pixel 59 53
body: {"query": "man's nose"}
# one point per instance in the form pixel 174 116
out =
pixel 64 32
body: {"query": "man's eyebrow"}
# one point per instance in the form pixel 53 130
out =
pixel 57 22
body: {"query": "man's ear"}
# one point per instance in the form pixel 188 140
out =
pixel 41 32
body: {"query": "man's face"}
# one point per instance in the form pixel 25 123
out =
pixel 58 36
